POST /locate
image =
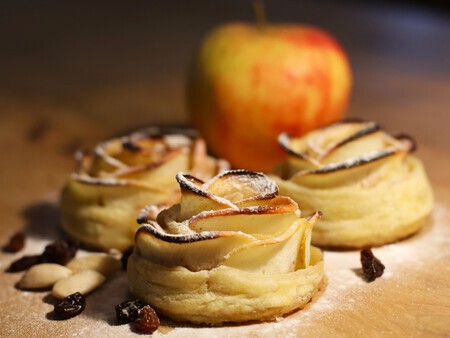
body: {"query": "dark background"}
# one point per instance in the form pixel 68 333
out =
pixel 124 64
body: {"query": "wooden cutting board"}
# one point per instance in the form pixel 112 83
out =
pixel 412 298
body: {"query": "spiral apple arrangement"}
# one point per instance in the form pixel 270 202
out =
pixel 370 189
pixel 100 202
pixel 233 240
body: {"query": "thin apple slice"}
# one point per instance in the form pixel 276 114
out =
pixel 362 169
pixel 240 185
pixel 287 252
pixel 272 255
pixel 258 221
pixel 195 251
pixel 195 199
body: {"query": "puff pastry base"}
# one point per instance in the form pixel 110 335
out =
pixel 98 227
pixel 222 294
pixel 357 216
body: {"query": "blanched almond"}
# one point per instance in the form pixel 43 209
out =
pixel 43 276
pixel 104 264
pixel 83 282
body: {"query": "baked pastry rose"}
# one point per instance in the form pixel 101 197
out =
pixel 232 250
pixel 101 201
pixel 370 189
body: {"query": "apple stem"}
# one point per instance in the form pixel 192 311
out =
pixel 260 13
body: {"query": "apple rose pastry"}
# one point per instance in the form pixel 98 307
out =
pixel 101 201
pixel 232 250
pixel 370 189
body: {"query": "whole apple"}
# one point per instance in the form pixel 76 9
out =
pixel 247 84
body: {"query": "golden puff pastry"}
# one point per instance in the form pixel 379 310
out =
pixel 369 188
pixel 101 201
pixel 232 250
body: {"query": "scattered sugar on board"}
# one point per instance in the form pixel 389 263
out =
pixel 344 288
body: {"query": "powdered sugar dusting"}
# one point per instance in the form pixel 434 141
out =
pixel 344 293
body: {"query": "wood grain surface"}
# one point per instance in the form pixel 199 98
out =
pixel 73 74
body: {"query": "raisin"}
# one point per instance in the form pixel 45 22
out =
pixel 127 311
pixel 16 243
pixel 127 253
pixel 74 245
pixel 147 321
pixel 372 266
pixel 70 306
pixel 60 251
pixel 24 263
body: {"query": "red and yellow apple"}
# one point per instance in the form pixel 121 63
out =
pixel 247 84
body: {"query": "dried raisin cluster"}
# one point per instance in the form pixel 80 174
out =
pixel 70 306
pixel 372 266
pixel 16 243
pixel 144 318
pixel 147 321
pixel 59 252
pixel 24 263
pixel 128 311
